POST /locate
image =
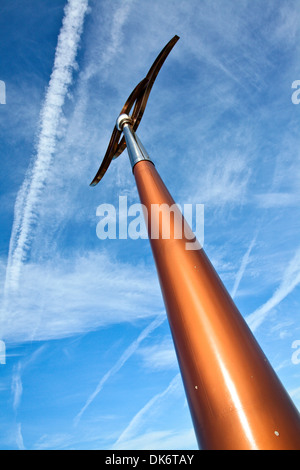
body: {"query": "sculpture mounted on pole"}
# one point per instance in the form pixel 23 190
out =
pixel 236 400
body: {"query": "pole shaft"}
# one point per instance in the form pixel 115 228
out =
pixel 235 398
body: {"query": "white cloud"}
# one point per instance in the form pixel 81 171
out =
pixel 16 381
pixel 133 429
pixel 162 439
pixel 295 392
pixel 56 441
pixel 290 280
pixel 288 23
pixel 16 386
pixel 63 297
pixel 276 200
pixel 242 268
pixel 19 437
pixel 159 356
pixel 120 362
pixel 222 181
pixel 26 207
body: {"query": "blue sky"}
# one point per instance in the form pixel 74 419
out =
pixel 89 358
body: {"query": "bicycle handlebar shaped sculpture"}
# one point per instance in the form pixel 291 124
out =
pixel 138 98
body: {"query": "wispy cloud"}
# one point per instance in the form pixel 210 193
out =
pixel 26 207
pixel 222 181
pixel 120 362
pixel 119 17
pixel 16 386
pixel 19 437
pixel 290 280
pixel 137 421
pixel 277 200
pixel 163 439
pixel 243 267
pixel 159 356
pixel 16 382
pixel 295 392
pixel 91 288
pixel 56 441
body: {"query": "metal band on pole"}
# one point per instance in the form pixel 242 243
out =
pixel 135 148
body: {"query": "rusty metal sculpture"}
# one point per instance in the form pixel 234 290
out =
pixel 138 98
pixel 235 398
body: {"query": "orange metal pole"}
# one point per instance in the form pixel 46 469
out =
pixel 235 398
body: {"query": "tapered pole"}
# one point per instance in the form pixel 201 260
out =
pixel 236 400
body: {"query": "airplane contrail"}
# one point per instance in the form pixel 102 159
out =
pixel 120 362
pixel 26 206
pixel 243 266
pixel 290 280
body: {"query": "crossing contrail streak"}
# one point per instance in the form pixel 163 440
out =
pixel 242 269
pixel 120 362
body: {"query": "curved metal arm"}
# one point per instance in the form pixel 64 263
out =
pixel 138 98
